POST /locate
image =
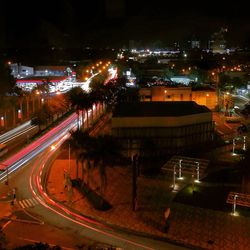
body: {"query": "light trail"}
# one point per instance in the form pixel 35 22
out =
pixel 16 132
pixel 16 161
pixel 67 214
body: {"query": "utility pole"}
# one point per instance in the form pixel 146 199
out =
pixel 134 181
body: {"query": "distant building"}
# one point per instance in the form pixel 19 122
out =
pixel 207 97
pixel 195 44
pixel 50 70
pixel 21 71
pixel 171 126
pixel 29 83
pixel 218 43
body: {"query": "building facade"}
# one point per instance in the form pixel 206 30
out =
pixel 171 126
pixel 207 97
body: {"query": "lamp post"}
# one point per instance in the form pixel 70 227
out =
pixel 134 181
pixel 244 143
pixel 2 121
pixel 174 177
pixel 233 146
pixel 234 203
pixel 197 172
pixel 19 114
pixel 69 160
pixel 180 166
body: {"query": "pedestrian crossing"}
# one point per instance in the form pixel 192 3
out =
pixel 26 203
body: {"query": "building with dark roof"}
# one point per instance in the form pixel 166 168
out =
pixel 171 126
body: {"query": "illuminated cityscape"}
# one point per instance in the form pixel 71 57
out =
pixel 124 125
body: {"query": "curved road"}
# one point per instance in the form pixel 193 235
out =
pixel 28 170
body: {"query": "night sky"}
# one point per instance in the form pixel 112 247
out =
pixel 74 23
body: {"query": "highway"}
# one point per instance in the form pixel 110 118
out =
pixel 23 129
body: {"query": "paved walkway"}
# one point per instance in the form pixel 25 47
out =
pixel 200 228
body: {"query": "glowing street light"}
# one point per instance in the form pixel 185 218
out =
pixel 174 177
pixel 2 121
pixel 244 143
pixel 180 176
pixel 197 172
pixel 19 113
pixel 234 204
pixel 233 151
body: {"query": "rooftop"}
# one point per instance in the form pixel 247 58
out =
pixel 156 109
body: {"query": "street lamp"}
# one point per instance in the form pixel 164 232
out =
pixel 233 151
pixel 197 172
pixel 244 143
pixel 2 121
pixel 19 114
pixel 174 177
pixel 234 204
pixel 180 176
pixel 134 159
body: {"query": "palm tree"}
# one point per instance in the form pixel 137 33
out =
pixel 98 96
pixel 41 117
pixel 102 151
pixel 75 97
pixel 80 142
pixel 105 151
pixel 86 104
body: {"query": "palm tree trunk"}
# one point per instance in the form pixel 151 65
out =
pixel 77 165
pixel 33 104
pixel 20 111
pixel 27 107
pixel 83 118
pixel 103 176
pixel 77 113
pixel 87 120
pixel 92 115
pixel 14 115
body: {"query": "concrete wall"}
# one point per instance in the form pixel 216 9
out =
pixel 208 98
pixel 140 122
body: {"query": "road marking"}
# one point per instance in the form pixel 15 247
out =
pixel 6 224
pixel 220 132
pixel 21 203
pixel 228 126
pixel 28 203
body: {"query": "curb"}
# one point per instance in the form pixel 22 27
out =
pixel 131 231
pixel 22 220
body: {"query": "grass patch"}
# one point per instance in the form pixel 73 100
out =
pixel 225 176
pixel 205 197
pixel 213 191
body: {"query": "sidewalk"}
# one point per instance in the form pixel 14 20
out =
pixel 200 228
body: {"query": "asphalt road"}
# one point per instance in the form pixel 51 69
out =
pixel 31 198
